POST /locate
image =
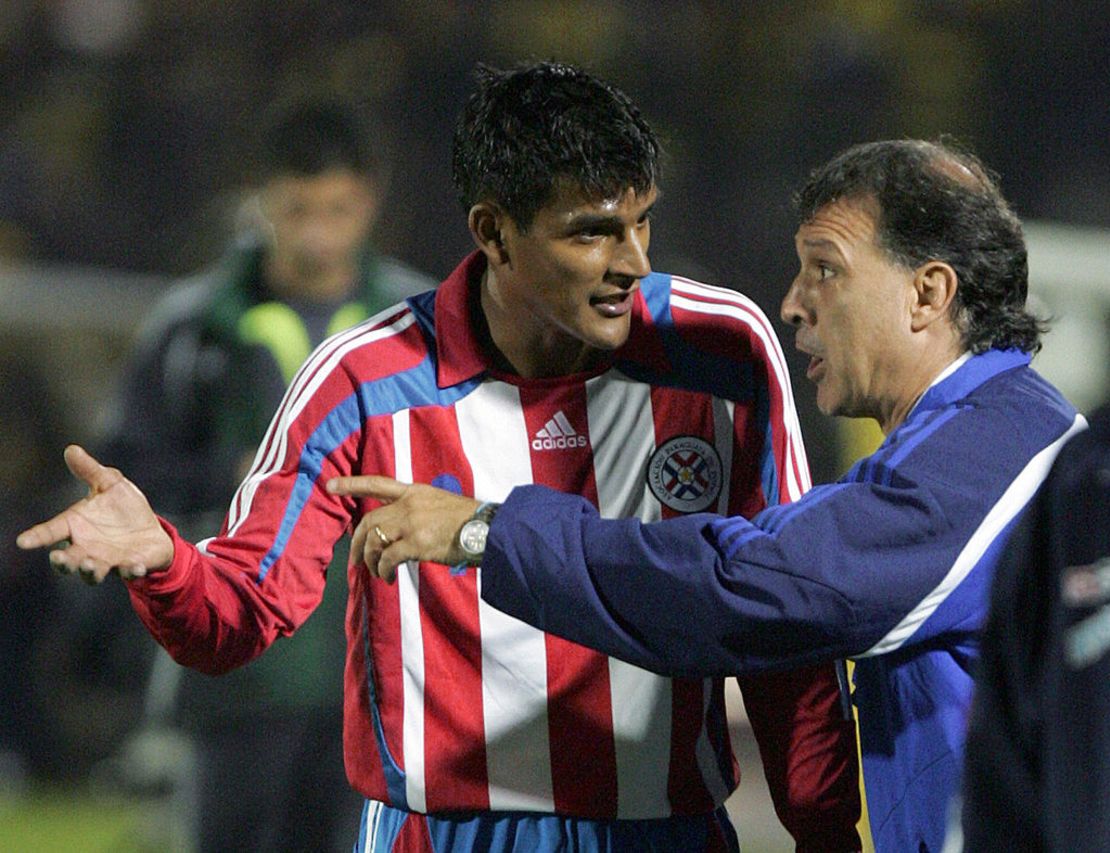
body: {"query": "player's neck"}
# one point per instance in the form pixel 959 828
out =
pixel 526 346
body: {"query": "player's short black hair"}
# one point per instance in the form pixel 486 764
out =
pixel 937 201
pixel 308 137
pixel 525 129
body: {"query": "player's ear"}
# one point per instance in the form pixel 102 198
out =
pixel 486 221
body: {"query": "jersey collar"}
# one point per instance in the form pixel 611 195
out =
pixel 459 352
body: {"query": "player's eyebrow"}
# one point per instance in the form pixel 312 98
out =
pixel 592 220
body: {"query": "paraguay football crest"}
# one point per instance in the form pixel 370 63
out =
pixel 684 473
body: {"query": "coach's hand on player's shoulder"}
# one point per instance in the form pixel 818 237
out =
pixel 112 529
pixel 414 522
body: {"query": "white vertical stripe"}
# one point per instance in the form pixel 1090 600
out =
pixel 1009 505
pixel 412 639
pixel 622 433
pixel 642 736
pixel 723 413
pixel 622 430
pixel 718 786
pixel 514 655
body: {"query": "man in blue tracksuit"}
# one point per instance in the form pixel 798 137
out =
pixel 910 302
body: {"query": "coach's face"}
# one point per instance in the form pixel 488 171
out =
pixel 562 290
pixel 852 308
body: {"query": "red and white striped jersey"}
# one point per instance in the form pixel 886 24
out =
pixel 451 705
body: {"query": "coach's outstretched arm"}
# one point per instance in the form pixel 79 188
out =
pixel 662 596
pixel 849 569
pixel 112 528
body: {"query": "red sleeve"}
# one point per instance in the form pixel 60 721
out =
pixel 809 756
pixel 222 602
pixel 205 614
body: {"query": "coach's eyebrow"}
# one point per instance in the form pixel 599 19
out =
pixel 822 244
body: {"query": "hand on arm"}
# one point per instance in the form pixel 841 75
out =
pixel 415 522
pixel 113 528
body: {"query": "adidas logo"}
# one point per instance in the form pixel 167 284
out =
pixel 557 434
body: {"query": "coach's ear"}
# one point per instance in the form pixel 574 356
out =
pixel 934 290
pixel 486 221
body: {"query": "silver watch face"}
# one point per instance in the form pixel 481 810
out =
pixel 472 537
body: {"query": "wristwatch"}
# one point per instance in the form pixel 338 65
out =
pixel 472 535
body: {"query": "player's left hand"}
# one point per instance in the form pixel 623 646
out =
pixel 415 522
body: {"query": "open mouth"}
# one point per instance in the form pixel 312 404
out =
pixel 816 363
pixel 613 305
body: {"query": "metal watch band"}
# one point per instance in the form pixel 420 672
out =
pixel 472 535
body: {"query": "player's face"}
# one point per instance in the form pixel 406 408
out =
pixel 567 285
pixel 850 306
pixel 317 224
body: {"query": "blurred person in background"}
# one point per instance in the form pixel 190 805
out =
pixel 1038 747
pixel 207 374
pixel 910 300
pixel 551 354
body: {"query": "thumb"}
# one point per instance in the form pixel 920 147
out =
pixel 85 468
pixel 384 489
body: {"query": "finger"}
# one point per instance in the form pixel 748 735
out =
pixel 372 546
pixel 132 571
pixel 81 463
pixel 66 560
pixel 358 543
pixel 61 563
pixel 387 564
pixel 93 572
pixel 387 572
pixel 45 533
pixel 70 558
pixel 384 489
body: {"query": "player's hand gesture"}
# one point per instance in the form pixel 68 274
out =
pixel 415 522
pixel 112 528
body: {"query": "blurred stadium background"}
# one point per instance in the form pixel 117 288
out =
pixel 123 149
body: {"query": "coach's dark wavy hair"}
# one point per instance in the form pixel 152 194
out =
pixel 525 129
pixel 937 201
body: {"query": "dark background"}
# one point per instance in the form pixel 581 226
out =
pixel 126 126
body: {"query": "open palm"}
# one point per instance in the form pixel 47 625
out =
pixel 112 528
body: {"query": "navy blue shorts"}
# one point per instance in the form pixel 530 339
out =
pixel 385 829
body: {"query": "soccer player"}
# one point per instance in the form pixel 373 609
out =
pixel 551 355
pixel 910 301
